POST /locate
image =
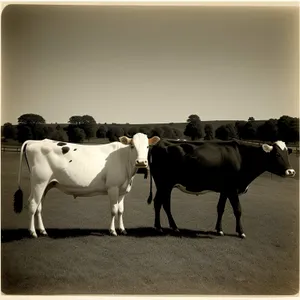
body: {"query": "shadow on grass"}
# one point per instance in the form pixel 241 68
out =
pixel 10 235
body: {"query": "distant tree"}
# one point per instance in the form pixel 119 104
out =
pixel 177 133
pixel 239 126
pixel 226 132
pixel 89 126
pixel 41 132
pixel 132 131
pixel 114 132
pixel 158 131
pixel 249 131
pixel 288 128
pixel 126 128
pixel 250 119
pixel 24 133
pixel 268 131
pixel 101 132
pixel 209 132
pixel 167 132
pixel 75 120
pixel 50 129
pixel 9 131
pixel 79 135
pixel 75 133
pixel 193 128
pixel 58 127
pixel 295 130
pixel 32 121
pixel 145 129
pixel 85 122
pixel 59 135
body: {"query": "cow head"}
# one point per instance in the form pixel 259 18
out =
pixel 278 160
pixel 140 144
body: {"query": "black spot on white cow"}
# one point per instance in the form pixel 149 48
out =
pixel 65 149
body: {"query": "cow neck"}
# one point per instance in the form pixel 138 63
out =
pixel 253 162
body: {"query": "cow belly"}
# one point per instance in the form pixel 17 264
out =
pixel 82 191
pixel 184 190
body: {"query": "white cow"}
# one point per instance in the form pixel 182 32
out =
pixel 82 171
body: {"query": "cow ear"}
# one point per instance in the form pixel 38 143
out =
pixel 125 140
pixel 154 140
pixel 290 150
pixel 267 148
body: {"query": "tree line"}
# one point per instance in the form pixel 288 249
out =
pixel 81 128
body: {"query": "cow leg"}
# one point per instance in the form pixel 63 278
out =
pixel 237 210
pixel 167 209
pixel 113 194
pixel 220 210
pixel 33 203
pixel 40 224
pixel 120 215
pixel 32 206
pixel 157 207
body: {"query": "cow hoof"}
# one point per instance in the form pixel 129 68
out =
pixel 123 232
pixel 221 233
pixel 33 234
pixel 159 230
pixel 43 233
pixel 176 231
pixel 242 235
pixel 112 233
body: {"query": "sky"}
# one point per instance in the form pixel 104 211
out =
pixel 147 64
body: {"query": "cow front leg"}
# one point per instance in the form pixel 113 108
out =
pixel 220 210
pixel 40 225
pixel 113 194
pixel 120 215
pixel 237 210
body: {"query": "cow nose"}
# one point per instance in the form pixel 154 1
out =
pixel 290 172
pixel 141 162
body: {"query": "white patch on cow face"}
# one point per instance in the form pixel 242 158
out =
pixel 281 145
pixel 267 148
pixel 141 144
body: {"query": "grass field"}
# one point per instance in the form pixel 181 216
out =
pixel 79 257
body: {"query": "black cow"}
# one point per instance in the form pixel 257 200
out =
pixel 223 167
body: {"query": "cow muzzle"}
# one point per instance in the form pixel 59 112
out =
pixel 290 173
pixel 141 163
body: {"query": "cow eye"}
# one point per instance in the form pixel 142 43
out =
pixel 277 154
pixel 132 146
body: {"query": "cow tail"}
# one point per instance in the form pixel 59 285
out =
pixel 18 196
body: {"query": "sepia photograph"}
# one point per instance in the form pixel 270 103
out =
pixel 150 149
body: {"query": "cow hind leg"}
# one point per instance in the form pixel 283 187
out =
pixel 113 194
pixel 220 210
pixel 32 206
pixel 34 201
pixel 120 215
pixel 40 225
pixel 167 209
pixel 237 210
pixel 157 208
